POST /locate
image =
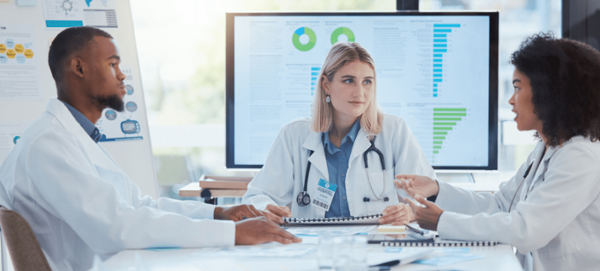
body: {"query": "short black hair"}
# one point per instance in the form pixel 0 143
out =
pixel 565 84
pixel 68 42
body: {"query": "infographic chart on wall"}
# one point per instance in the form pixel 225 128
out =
pixel 432 71
pixel 19 66
pixel 119 126
pixel 69 13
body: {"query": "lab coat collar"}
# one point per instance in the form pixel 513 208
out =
pixel 361 144
pixel 314 143
pixel 64 116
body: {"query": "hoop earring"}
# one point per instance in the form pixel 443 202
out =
pixel 328 99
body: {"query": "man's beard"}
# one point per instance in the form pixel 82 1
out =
pixel 113 101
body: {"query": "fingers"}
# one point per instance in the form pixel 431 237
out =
pixel 273 218
pixel 280 211
pixel 277 234
pixel 252 212
pixel 394 214
pixel 424 201
pixel 405 176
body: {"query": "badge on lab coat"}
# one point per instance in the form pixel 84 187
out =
pixel 325 193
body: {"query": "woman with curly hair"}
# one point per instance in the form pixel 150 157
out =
pixel 550 210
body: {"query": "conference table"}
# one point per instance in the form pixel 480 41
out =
pixel 499 257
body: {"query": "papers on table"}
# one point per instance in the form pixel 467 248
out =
pixel 319 231
pixel 449 259
pixel 405 257
pixel 288 251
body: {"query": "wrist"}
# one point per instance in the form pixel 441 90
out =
pixel 437 191
pixel 217 212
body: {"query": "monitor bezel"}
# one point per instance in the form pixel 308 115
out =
pixel 493 79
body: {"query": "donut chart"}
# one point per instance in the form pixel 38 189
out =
pixel 311 35
pixel 342 30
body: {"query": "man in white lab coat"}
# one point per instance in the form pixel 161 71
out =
pixel 77 199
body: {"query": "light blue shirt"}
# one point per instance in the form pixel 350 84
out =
pixel 85 123
pixel 337 165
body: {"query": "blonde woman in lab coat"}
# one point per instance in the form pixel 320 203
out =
pixel 550 210
pixel 331 151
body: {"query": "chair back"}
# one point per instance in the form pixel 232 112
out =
pixel 24 248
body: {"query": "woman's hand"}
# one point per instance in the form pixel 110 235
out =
pixel 397 215
pixel 277 212
pixel 417 185
pixel 428 216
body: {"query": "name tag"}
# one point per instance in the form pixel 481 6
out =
pixel 325 193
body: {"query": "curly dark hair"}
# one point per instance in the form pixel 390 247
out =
pixel 565 83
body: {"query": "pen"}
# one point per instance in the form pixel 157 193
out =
pixel 415 230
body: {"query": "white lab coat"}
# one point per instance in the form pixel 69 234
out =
pixel 554 226
pixel 282 176
pixel 79 202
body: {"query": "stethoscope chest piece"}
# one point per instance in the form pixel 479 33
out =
pixel 303 198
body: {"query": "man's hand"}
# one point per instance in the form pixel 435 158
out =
pixel 417 185
pixel 277 212
pixel 428 216
pixel 260 230
pixel 237 213
pixel 397 215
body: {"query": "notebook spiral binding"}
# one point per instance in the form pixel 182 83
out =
pixel 327 220
pixel 441 244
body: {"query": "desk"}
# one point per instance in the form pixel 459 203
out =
pixel 500 257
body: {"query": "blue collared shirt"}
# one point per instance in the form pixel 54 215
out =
pixel 337 165
pixel 85 123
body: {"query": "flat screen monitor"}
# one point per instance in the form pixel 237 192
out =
pixel 436 70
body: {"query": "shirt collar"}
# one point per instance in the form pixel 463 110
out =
pixel 350 136
pixel 85 123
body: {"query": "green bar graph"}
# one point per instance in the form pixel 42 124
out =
pixel 453 119
pixel 444 120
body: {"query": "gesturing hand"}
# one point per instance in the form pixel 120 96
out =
pixel 428 216
pixel 417 185
pixel 397 215
pixel 260 230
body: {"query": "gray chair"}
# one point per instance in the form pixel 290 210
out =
pixel 23 246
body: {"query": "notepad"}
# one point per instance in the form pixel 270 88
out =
pixel 438 243
pixel 353 220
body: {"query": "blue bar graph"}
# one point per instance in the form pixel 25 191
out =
pixel 439 35
pixel 446 25
pixel 437 55
pixel 437 70
pixel 313 78
pixel 315 69
pixel 437 60
pixel 434 94
pixel 442 30
pixel 437 75
pixel 437 80
pixel 435 85
pixel 437 65
pixel 435 90
pixel 314 74
pixel 440 50
pixel 440 45
pixel 313 83
pixel 440 40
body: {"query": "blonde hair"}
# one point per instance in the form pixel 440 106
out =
pixel 339 54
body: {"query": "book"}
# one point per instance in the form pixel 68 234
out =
pixel 222 182
pixel 438 243
pixel 353 220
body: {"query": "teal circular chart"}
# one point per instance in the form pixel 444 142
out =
pixel 311 36
pixel 342 30
pixel 15 139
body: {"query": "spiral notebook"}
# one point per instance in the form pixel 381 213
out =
pixel 437 242
pixel 353 220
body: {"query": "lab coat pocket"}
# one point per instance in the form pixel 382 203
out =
pixel 116 179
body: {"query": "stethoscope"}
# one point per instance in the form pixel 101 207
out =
pixel 524 177
pixel 303 198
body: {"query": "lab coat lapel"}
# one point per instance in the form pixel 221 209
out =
pixel 317 159
pixel 541 168
pixel 361 144
pixel 539 151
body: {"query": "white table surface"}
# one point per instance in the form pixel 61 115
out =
pixel 500 257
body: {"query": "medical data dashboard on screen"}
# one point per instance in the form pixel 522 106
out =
pixel 431 70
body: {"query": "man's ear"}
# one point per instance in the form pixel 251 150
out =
pixel 77 66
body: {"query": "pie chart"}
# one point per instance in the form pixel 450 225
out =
pixel 311 42
pixel 342 30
